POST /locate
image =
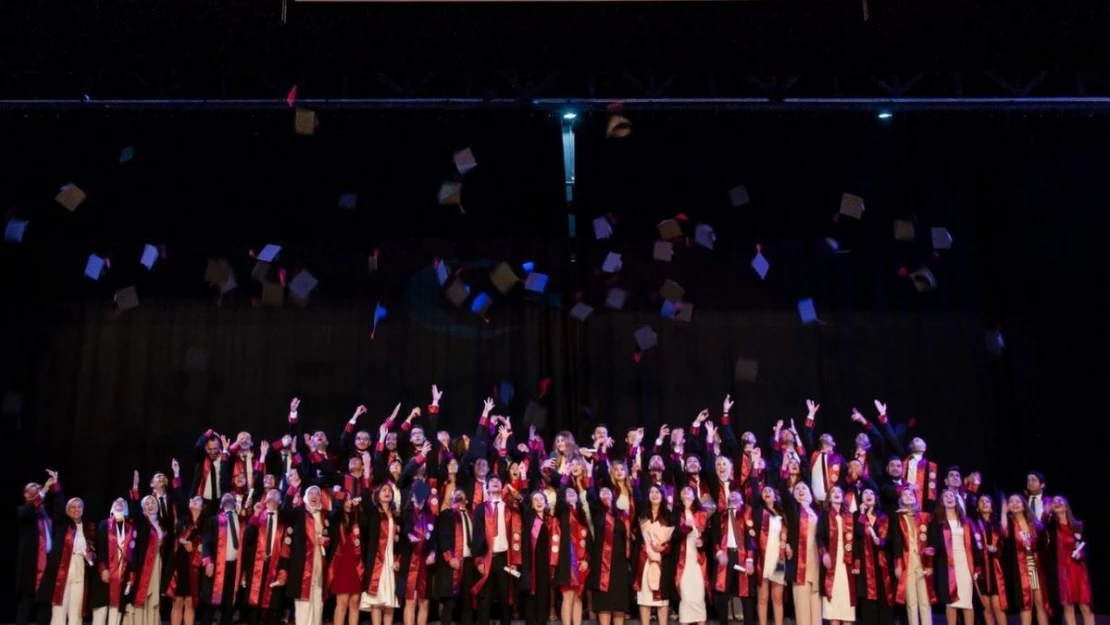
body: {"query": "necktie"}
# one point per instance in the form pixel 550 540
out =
pixel 269 533
pixel 162 511
pixel 231 529
pixel 825 468
pixel 214 479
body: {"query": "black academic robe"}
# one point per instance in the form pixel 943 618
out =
pixel 535 576
pixel 28 518
pixel 203 466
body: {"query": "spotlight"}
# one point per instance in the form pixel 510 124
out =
pixel 886 115
pixel 570 116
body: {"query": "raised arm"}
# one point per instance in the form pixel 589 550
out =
pixel 887 431
pixel 811 414
pixel 346 438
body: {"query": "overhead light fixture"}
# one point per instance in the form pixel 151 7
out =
pixel 886 115
pixel 570 115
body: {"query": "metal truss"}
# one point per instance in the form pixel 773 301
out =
pixel 1044 89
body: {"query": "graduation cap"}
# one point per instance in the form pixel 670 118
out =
pixel 528 266
pixel 503 278
pixel 747 370
pixel 612 263
pixel 302 284
pixel 807 311
pixel 705 236
pixel 506 390
pixel 348 201
pixel 618 127
pixel 646 338
pixel 230 284
pixel 421 491
pixel 379 314
pixel 669 310
pixel 260 270
pixel 615 298
pixel 465 161
pixel 273 293
pixel 851 206
pixel 834 246
pixel 441 272
pixel 269 253
pixel 149 257
pixel 457 293
pixel 14 230
pixel 923 280
pixel 738 196
pixel 760 265
pixel 94 267
pixel 580 311
pixel 685 311
pixel 664 251
pixel 903 230
pixel 217 271
pixel 942 239
pixel 481 304
pixel 450 194
pixel 672 291
pixel 126 298
pixel 602 228
pixel 305 122
pixel 536 282
pixel 669 229
pixel 995 342
pixel 535 415
pixel 70 196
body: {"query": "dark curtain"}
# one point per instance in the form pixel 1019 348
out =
pixel 1021 196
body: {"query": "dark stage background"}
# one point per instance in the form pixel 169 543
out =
pixel 104 394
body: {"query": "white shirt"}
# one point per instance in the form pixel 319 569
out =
pixel 818 477
pixel 911 470
pixel 1036 503
pixel 731 529
pixel 501 541
pixel 232 527
pixel 79 546
pixel 467 528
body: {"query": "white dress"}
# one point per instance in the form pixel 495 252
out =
pixel 962 566
pixel 840 607
pixel 691 588
pixel 646 597
pixel 387 585
pixel 771 570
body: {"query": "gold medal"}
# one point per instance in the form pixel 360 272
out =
pixel 923 538
pixel 922 527
pixel 932 475
pixel 516 535
pixel 932 485
pixel 585 533
pixel 554 548
pixel 516 547
pixel 289 530
pixel 848 547
pixel 582 544
pixel 288 541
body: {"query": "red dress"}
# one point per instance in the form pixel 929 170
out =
pixel 346 565
pixel 1075 585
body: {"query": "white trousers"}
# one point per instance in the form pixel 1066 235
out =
pixel 111 616
pixel 69 613
pixel 310 612
pixel 807 604
pixel 918 610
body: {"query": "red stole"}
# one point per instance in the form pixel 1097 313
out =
pixel 917 530
pixel 354 486
pixel 870 551
pixel 1015 534
pixel 699 486
pixel 119 556
pixel 42 520
pixel 152 548
pixel 239 467
pixel 63 564
pixel 606 563
pixel 478 494
pixel 953 590
pixel 457 553
pixel 310 547
pixel 381 567
pixel 803 545
pixel 537 527
pixel 265 572
pixel 192 535
pixel 925 479
pixel 699 524
pixel 415 577
pixel 847 534
pixel 723 493
pixel 643 560
pixel 578 552
pixel 831 470
pixel 720 580
pixel 555 531
pixel 986 535
pixel 514 556
pixel 220 562
pixel 205 469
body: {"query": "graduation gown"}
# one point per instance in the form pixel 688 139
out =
pixel 873 581
pixel 989 579
pixel 260 572
pixel 1015 568
pixel 536 562
pixel 944 568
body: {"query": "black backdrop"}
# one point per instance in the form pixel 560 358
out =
pixel 104 394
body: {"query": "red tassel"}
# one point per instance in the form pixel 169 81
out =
pixel 544 385
pixel 636 356
pixel 281 277
pixel 903 272
pixel 759 248
pixel 681 217
pixel 108 262
pixel 250 253
pixel 291 97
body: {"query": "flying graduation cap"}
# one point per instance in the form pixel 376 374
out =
pixel 379 314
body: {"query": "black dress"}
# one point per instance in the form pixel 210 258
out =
pixel 616 598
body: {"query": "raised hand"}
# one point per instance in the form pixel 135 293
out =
pixel 175 466
pixel 436 395
pixel 532 435
pixel 726 406
pixel 702 416
pixel 881 407
pixel 858 418
pixel 426 448
pixel 710 432
pixel 412 415
pixel 294 404
pixel 361 410
pixel 487 406
pixel 778 425
pixel 664 432
pixel 812 407
pixel 135 479
pixel 393 415
pixel 263 448
pixel 225 442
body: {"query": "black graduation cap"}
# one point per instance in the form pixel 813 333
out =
pixel 535 415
